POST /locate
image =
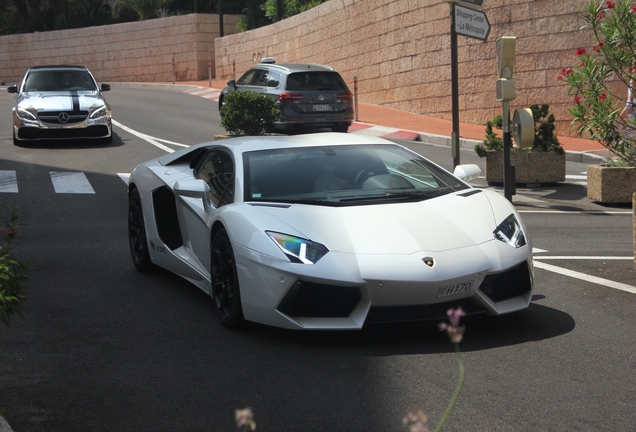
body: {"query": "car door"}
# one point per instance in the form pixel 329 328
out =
pixel 217 169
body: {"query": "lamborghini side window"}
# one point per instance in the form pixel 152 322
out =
pixel 217 170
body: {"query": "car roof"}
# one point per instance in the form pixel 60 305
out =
pixel 58 67
pixel 297 67
pixel 244 144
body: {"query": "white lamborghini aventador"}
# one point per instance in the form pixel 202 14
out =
pixel 328 231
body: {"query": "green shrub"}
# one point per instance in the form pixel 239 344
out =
pixel 248 113
pixel 545 138
pixel 13 273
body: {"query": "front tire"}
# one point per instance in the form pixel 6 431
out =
pixel 225 284
pixel 137 233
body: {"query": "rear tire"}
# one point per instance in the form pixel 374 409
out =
pixel 340 128
pixel 225 285
pixel 137 233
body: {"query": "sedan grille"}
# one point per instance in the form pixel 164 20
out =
pixel 62 117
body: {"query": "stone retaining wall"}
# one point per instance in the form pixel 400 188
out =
pixel 137 51
pixel 400 52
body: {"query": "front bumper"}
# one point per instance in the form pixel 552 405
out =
pixel 32 130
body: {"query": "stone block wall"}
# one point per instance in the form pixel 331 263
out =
pixel 136 51
pixel 400 52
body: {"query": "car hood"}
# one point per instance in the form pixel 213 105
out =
pixel 61 101
pixel 440 224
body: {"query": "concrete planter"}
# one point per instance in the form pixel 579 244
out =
pixel 530 167
pixel 612 185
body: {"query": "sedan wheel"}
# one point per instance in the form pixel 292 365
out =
pixel 225 285
pixel 137 233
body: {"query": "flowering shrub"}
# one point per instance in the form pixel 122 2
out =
pixel 13 273
pixel 597 110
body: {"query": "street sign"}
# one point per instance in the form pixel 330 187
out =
pixel 471 23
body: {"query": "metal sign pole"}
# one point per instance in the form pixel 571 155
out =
pixel 454 89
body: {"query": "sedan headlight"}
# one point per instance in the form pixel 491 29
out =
pixel 27 113
pixel 97 112
pixel 297 249
pixel 509 231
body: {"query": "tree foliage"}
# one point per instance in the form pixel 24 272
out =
pixel 598 110
pixel 290 7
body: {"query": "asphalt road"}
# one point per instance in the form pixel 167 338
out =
pixel 105 348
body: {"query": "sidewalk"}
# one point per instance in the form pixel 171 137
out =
pixel 420 127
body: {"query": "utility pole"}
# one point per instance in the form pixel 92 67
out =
pixel 220 12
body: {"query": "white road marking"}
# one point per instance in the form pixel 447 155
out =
pixel 125 177
pixel 150 139
pixel 71 183
pixel 595 258
pixel 585 277
pixel 570 212
pixel 8 182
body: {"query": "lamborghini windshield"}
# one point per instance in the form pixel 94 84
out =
pixel 344 175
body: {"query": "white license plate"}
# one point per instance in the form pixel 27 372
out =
pixel 322 108
pixel 454 289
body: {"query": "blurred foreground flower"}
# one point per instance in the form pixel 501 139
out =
pixel 453 329
pixel 417 421
pixel 245 419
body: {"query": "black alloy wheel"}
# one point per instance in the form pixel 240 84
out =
pixel 137 233
pixel 225 285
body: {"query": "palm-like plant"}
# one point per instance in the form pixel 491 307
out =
pixel 146 9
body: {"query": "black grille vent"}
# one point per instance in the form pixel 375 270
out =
pixel 306 299
pixel 509 284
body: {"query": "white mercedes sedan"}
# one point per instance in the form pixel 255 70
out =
pixel 60 103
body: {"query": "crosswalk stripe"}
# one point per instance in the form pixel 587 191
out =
pixel 8 182
pixel 71 183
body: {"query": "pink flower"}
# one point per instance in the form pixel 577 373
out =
pixel 580 52
pixel 245 418
pixel 454 331
pixel 600 15
pixel 559 78
pixel 416 421
pixel 610 4
pixel 568 72
pixel 582 65
pixel 577 99
pixel 633 9
pixel 603 97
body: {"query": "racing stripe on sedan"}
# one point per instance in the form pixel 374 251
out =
pixel 75 99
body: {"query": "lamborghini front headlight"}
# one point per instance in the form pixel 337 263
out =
pixel 298 250
pixel 510 232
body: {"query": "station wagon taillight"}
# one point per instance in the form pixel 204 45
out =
pixel 345 95
pixel 290 97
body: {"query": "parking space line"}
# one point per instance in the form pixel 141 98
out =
pixel 585 277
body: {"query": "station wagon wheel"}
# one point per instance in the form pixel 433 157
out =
pixel 225 285
pixel 137 233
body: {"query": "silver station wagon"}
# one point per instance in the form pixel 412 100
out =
pixel 307 95
pixel 60 103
